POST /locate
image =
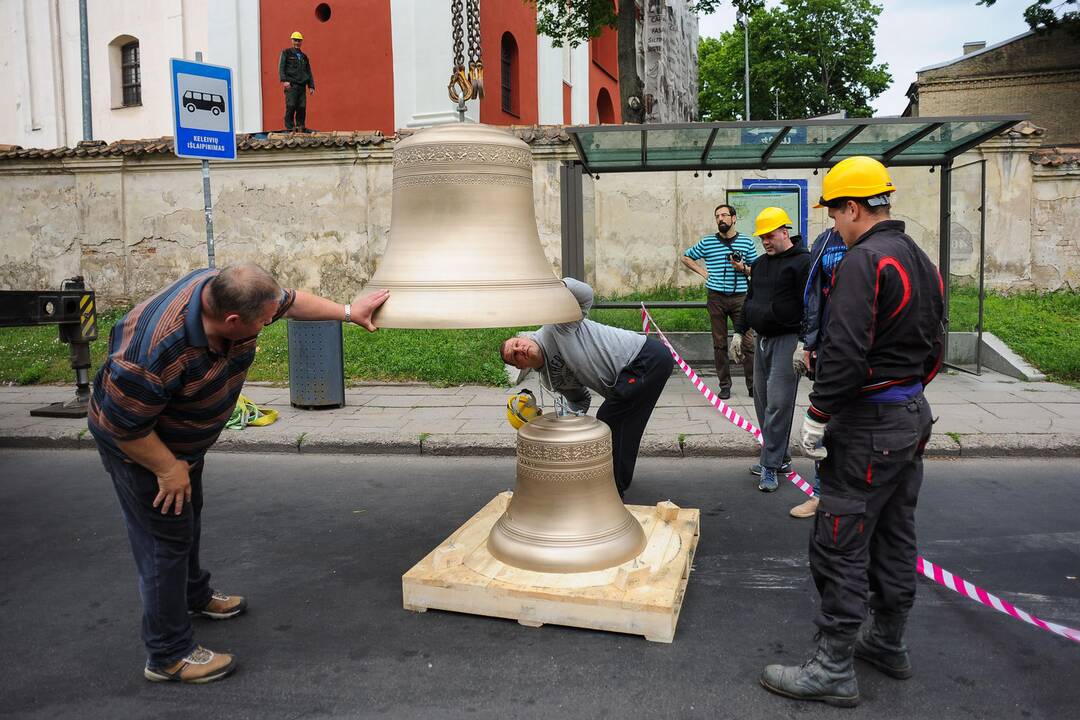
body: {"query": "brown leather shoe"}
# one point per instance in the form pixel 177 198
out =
pixel 200 666
pixel 806 510
pixel 222 606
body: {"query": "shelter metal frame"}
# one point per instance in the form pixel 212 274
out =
pixel 911 142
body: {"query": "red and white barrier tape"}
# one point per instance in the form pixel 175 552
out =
pixel 924 566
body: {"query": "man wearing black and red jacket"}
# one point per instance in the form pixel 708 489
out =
pixel 881 344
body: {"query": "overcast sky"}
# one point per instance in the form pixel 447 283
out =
pixel 915 33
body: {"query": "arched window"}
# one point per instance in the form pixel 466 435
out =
pixel 125 72
pixel 509 64
pixel 605 111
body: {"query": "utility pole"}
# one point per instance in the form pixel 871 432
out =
pixel 776 95
pixel 744 19
pixel 84 48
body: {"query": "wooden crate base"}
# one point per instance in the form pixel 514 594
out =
pixel 639 597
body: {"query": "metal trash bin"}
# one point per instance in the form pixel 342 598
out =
pixel 316 364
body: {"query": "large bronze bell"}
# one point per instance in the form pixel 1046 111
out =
pixel 464 251
pixel 565 515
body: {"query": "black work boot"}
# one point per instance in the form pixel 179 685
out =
pixel 828 676
pixel 881 643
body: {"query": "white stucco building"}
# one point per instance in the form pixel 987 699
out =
pixel 129 40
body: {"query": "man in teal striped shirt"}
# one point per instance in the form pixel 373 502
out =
pixel 726 281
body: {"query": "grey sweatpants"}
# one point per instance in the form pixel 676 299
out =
pixel 775 383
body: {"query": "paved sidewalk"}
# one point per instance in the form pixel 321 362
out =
pixel 991 415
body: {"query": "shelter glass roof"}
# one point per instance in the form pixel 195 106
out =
pixel 782 144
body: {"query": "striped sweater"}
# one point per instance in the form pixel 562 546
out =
pixel 162 376
pixel 723 278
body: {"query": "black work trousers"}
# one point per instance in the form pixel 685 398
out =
pixel 723 307
pixel 295 107
pixel 166 550
pixel 630 404
pixel 862 550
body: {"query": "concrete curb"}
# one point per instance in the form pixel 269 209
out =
pixel 344 442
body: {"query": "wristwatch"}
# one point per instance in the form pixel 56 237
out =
pixel 348 313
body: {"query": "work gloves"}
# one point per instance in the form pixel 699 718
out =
pixel 813 433
pixel 798 360
pixel 735 348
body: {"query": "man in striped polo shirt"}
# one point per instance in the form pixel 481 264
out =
pixel 727 285
pixel 176 365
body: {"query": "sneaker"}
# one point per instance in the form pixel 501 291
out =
pixel 755 469
pixel 200 666
pixel 725 393
pixel 768 482
pixel 806 510
pixel 221 606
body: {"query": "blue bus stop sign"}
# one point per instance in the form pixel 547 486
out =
pixel 203 125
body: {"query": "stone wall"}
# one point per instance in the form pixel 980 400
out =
pixel 319 218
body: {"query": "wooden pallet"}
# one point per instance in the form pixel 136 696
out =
pixel 640 597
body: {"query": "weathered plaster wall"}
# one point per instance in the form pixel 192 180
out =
pixel 319 219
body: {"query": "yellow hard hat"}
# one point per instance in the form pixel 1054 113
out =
pixel 522 408
pixel 856 177
pixel 769 219
pixel 296 36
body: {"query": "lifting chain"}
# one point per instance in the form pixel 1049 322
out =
pixel 476 63
pixel 466 82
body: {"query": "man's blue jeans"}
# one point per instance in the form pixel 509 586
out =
pixel 166 549
pixel 817 478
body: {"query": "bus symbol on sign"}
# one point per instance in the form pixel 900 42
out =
pixel 203 101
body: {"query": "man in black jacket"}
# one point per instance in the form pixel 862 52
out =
pixel 882 343
pixel 294 71
pixel 774 309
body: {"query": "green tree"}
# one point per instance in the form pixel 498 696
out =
pixel 1048 14
pixel 573 22
pixel 807 58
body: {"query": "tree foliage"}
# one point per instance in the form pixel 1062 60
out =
pixel 809 57
pixel 1044 15
pixel 572 22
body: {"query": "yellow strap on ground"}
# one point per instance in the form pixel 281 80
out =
pixel 247 413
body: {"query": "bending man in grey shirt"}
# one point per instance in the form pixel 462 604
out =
pixel 627 369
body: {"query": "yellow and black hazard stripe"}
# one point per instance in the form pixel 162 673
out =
pixel 87 318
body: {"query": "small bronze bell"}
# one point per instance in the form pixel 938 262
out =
pixel 565 515
pixel 464 251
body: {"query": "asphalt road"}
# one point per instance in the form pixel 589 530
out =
pixel 319 543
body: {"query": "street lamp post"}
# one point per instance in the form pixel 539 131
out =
pixel 744 20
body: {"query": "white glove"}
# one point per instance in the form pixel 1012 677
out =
pixel 798 360
pixel 813 432
pixel 735 348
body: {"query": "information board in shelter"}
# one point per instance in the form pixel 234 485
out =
pixel 748 203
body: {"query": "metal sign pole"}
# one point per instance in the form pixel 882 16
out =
pixel 208 211
pixel 208 205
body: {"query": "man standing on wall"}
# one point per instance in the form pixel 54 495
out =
pixel 727 291
pixel 294 71
pixel 868 422
pixel 176 365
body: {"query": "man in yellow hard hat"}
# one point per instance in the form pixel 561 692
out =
pixel 774 309
pixel 294 71
pixel 868 422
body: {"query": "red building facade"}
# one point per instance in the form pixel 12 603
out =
pixel 351 49
pixel 348 43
